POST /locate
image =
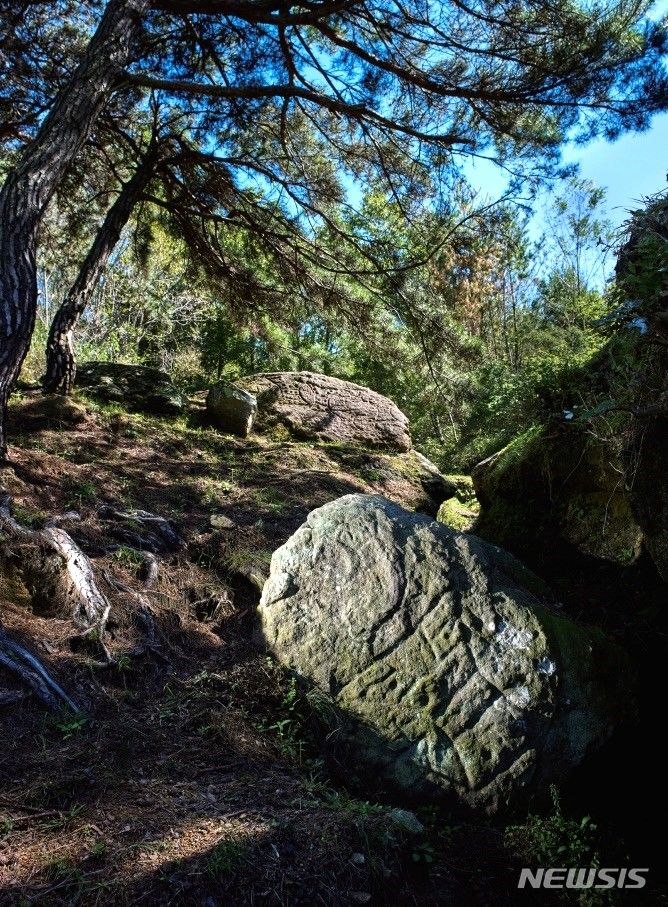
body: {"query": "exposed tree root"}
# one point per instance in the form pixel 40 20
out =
pixel 55 570
pixel 59 576
pixel 145 617
pixel 163 537
pixel 149 570
pixel 17 659
pixel 11 697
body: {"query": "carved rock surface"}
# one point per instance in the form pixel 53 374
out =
pixel 452 678
pixel 325 408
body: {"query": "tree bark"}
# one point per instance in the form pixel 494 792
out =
pixel 60 358
pixel 32 183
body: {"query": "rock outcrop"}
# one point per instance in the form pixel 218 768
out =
pixel 558 484
pixel 642 275
pixel 452 677
pixel 460 509
pixel 136 387
pixel 231 409
pixel 320 407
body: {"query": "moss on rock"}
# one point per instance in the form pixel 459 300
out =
pixel 558 482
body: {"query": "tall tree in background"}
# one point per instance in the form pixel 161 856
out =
pixel 383 85
pixel 60 359
pixel 31 184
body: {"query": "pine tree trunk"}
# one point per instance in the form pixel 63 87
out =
pixel 31 185
pixel 60 359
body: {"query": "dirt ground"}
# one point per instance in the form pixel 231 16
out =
pixel 191 776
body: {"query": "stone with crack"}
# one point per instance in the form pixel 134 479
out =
pixel 449 677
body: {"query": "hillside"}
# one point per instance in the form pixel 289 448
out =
pixel 192 775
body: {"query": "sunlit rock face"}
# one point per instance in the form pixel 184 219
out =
pixel 449 677
pixel 328 409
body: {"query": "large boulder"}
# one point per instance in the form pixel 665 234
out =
pixel 558 484
pixel 231 409
pixel 136 387
pixel 453 678
pixel 320 407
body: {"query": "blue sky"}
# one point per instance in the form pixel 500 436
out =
pixel 630 169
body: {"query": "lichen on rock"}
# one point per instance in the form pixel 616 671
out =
pixel 454 680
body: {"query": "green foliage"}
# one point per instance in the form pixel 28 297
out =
pixel 227 857
pixel 127 556
pixel 287 723
pixel 78 492
pixel 556 840
pixel 67 725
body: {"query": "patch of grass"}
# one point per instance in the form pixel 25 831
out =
pixel 271 499
pixel 68 725
pixel 78 492
pixel 245 560
pixel 58 823
pixel 341 800
pixel 226 857
pixel 62 868
pixel 27 517
pixel 127 556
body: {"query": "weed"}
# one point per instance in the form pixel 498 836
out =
pixel 226 857
pixel 288 724
pixel 69 725
pixel 99 849
pixel 6 827
pixel 124 664
pixel 64 820
pixel 79 492
pixel 169 708
pixel 423 853
pixel 556 840
pixel 63 869
pixel 127 556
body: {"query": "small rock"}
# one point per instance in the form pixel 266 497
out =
pixel 220 521
pixel 231 409
pixel 406 820
pixel 360 897
pixel 358 859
